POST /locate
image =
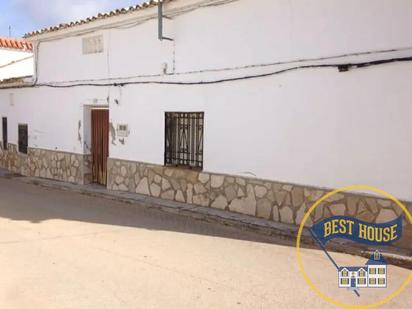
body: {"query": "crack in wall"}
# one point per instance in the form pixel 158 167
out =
pixel 112 133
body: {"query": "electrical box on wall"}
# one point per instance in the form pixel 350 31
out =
pixel 123 130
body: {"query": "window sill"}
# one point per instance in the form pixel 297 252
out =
pixel 184 167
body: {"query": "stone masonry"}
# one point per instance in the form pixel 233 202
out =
pixel 270 200
pixel 68 167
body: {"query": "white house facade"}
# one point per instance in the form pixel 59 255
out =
pixel 377 271
pixel 353 277
pixel 256 107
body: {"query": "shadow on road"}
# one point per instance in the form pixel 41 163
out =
pixel 26 202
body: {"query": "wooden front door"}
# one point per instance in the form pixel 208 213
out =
pixel 100 145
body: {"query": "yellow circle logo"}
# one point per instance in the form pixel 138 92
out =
pixel 300 261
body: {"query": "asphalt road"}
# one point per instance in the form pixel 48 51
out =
pixel 65 250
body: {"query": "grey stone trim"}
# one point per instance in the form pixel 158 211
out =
pixel 57 165
pixel 279 202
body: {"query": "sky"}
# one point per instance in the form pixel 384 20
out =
pixel 27 15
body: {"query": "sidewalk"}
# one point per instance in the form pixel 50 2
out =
pixel 283 231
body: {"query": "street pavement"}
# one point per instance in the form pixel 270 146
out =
pixel 61 249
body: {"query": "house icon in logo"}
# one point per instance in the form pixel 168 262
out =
pixel 372 275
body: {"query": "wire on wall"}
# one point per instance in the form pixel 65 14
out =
pixel 124 81
pixel 342 67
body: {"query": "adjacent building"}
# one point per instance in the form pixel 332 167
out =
pixel 16 59
pixel 256 107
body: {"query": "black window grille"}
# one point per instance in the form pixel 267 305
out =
pixel 23 138
pixel 5 134
pixel 184 139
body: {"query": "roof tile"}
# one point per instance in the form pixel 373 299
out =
pixel 12 43
pixel 99 16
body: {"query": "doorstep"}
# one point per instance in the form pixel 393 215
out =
pixel 395 256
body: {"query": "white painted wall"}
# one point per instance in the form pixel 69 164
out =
pixel 15 63
pixel 244 32
pixel 315 127
pixel 266 31
pixel 8 55
pixel 52 115
pixel 127 52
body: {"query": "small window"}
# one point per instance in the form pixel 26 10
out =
pixel 381 281
pixel 362 273
pixel 184 139
pixel 23 138
pixel 362 281
pixel 93 45
pixel 381 271
pixel 377 256
pixel 344 281
pixel 345 273
pixel 372 281
pixel 5 134
pixel 372 271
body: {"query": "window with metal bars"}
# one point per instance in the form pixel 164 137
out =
pixel 184 139
pixel 23 138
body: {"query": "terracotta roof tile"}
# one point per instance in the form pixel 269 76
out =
pixel 15 44
pixel 99 16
